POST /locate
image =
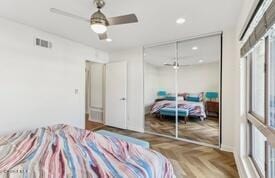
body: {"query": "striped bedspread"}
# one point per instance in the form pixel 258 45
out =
pixel 195 108
pixel 65 151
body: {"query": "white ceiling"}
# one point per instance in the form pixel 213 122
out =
pixel 156 19
pixel 209 51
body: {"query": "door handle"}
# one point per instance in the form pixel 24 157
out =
pixel 123 99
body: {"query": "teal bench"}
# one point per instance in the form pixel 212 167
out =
pixel 172 112
pixel 132 140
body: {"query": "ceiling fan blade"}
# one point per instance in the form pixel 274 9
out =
pixel 168 64
pixel 67 14
pixel 124 19
pixel 103 36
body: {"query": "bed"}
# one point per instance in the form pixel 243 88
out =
pixel 196 109
pixel 64 151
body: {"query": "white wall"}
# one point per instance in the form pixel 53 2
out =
pixel 191 79
pixel 135 110
pixel 243 163
pixel 228 89
pixel 38 85
pixel 151 85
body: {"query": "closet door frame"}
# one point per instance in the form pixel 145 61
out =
pixel 219 33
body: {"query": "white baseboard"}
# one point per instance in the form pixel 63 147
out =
pixel 227 148
pixel 240 167
pixel 245 167
pixel 136 129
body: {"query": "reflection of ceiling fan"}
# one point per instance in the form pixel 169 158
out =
pixel 175 65
pixel 98 21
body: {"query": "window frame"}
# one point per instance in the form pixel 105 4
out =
pixel 250 151
pixel 268 68
pixel 269 150
pixel 252 118
pixel 267 73
pixel 251 65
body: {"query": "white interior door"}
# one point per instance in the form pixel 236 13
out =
pixel 116 94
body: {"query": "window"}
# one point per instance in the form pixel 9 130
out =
pixel 258 149
pixel 271 162
pixel 272 81
pixel 261 105
pixel 258 81
pixel 258 52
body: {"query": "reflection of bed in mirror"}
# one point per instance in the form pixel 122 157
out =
pixel 189 105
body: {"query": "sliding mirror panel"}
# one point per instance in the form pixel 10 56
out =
pixel 199 89
pixel 160 89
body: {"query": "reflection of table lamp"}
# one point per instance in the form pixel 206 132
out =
pixel 212 96
pixel 162 94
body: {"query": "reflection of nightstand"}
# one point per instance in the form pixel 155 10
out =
pixel 212 107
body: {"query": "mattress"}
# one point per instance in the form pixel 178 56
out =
pixel 64 151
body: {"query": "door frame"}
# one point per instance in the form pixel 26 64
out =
pixel 103 87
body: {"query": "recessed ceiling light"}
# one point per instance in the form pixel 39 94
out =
pixel 200 61
pixel 180 21
pixel 195 48
pixel 109 40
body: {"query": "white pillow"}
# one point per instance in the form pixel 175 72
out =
pixel 180 98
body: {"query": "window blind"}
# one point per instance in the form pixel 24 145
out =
pixel 265 23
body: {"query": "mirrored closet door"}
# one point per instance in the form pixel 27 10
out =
pixel 160 89
pixel 182 89
pixel 199 84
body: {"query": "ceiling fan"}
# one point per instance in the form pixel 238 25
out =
pixel 98 21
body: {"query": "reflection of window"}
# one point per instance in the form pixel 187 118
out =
pixel 272 81
pixel 258 149
pixel 258 81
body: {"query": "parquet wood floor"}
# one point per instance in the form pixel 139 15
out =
pixel 189 160
pixel 206 131
pixel 89 125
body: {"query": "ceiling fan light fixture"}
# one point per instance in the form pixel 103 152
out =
pixel 180 21
pixel 109 40
pixel 99 22
pixel 176 67
pixel 98 28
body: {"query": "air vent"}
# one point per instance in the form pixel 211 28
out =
pixel 43 43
